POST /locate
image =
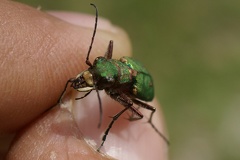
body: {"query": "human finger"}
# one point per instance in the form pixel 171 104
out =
pixel 70 132
pixel 39 53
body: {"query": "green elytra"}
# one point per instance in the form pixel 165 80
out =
pixel 126 74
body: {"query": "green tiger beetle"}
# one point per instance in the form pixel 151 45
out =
pixel 124 80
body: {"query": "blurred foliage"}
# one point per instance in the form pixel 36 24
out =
pixel 192 50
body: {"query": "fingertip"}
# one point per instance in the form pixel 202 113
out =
pixel 106 31
pixel 83 20
pixel 53 136
pixel 125 140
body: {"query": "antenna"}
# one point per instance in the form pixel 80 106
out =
pixel 93 36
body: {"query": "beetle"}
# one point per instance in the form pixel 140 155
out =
pixel 124 80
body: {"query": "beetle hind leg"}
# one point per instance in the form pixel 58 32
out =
pixel 135 114
pixel 152 109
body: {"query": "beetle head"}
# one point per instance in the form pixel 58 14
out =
pixel 83 82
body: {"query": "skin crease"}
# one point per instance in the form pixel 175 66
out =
pixel 38 54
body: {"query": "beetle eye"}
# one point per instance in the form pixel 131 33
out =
pixel 88 78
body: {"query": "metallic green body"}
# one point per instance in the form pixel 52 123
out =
pixel 143 81
pixel 124 75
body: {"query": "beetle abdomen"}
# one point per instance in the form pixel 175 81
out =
pixel 143 84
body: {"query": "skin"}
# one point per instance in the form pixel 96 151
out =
pixel 38 54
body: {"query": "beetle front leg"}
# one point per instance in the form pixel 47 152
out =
pixel 85 95
pixel 71 80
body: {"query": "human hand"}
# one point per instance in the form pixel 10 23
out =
pixel 38 54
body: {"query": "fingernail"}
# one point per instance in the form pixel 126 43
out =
pixel 105 29
pixel 126 140
pixel 84 20
pixel 86 114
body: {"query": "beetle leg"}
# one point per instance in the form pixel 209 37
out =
pixel 136 114
pixel 100 105
pixel 109 51
pixel 100 109
pixel 65 88
pixel 146 106
pixel 126 102
pixel 114 118
pixel 153 109
pixel 85 95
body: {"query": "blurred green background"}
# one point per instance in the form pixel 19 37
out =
pixel 192 49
